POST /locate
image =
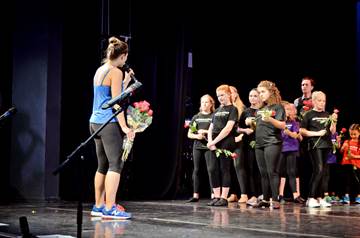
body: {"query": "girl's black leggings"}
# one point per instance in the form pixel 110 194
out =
pixel 268 158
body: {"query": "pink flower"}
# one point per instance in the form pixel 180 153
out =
pixel 144 108
pixel 138 119
pixel 234 155
pixel 146 103
pixel 336 111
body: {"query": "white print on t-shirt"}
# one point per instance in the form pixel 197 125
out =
pixel 288 126
pixel 203 120
pixel 353 148
pixel 320 119
pixel 221 114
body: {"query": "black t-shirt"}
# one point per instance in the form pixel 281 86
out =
pixel 202 122
pixel 267 133
pixel 315 121
pixel 248 112
pixel 221 116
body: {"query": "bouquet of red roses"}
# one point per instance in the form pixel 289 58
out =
pixel 138 118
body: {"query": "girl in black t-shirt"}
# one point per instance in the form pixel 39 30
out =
pixel 247 126
pixel 198 130
pixel 270 120
pixel 238 171
pixel 220 136
pixel 318 126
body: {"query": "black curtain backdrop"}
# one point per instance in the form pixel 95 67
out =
pixel 5 104
pixel 157 55
pixel 281 43
pixel 234 44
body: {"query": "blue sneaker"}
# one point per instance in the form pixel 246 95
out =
pixel 97 211
pixel 345 200
pixel 115 213
pixel 357 200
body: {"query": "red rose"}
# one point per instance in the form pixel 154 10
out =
pixel 306 108
pixel 343 130
pixel 150 113
pixel 273 113
pixel 307 103
pixel 234 155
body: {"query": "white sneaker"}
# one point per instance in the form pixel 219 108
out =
pixel 252 201
pixel 323 203
pixel 312 202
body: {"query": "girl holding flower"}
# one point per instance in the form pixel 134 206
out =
pixel 289 154
pixel 318 125
pixel 248 124
pixel 198 132
pixel 109 82
pixel 351 162
pixel 221 136
pixel 238 171
pixel 270 121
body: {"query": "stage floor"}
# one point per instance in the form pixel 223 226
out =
pixel 179 219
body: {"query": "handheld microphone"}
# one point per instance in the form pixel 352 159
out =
pixel 8 113
pixel 126 68
pixel 127 93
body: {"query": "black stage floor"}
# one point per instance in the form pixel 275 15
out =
pixel 179 219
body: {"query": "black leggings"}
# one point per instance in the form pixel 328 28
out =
pixel 234 187
pixel 219 170
pixel 331 178
pixel 108 147
pixel 254 174
pixel 351 179
pixel 318 159
pixel 239 165
pixel 268 159
pixel 287 167
pixel 198 154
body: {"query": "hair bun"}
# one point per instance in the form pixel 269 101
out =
pixel 114 41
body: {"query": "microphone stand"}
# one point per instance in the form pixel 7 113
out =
pixel 70 157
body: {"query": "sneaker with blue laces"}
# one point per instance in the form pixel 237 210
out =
pixel 115 213
pixel 357 200
pixel 345 200
pixel 97 211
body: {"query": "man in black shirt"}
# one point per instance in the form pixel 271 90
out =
pixel 303 104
